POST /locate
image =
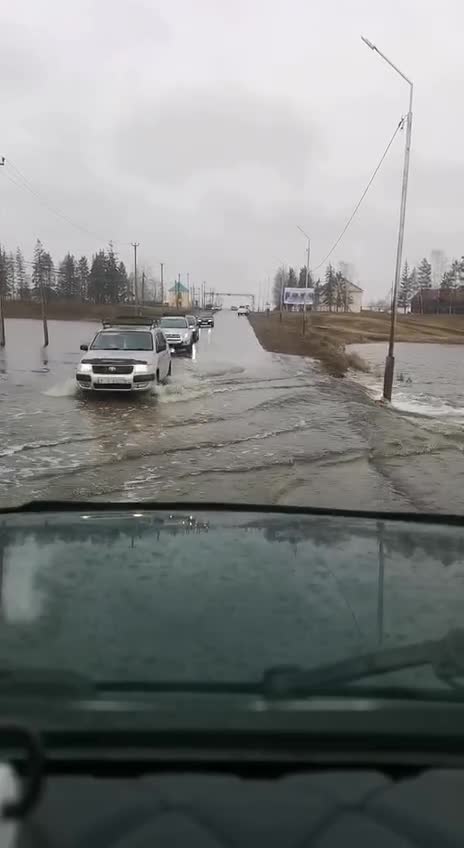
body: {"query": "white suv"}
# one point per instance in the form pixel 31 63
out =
pixel 125 357
pixel 179 334
pixel 243 310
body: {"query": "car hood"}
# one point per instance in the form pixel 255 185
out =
pixel 132 357
pixel 209 594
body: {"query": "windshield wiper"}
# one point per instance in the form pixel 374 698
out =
pixel 445 656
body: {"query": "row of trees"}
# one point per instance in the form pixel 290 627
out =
pixel 333 293
pixel 417 280
pixel 105 280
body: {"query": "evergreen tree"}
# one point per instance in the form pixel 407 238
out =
pixel 97 278
pixel 123 281
pixel 22 282
pixel 302 279
pixel 68 281
pixel 278 285
pixel 456 272
pixel 329 289
pixel 448 281
pixel 83 278
pixel 413 280
pixel 405 292
pixel 342 297
pixel 292 281
pixel 11 275
pixel 4 282
pixel 113 293
pixel 424 274
pixel 49 280
pixel 317 294
pixel 38 271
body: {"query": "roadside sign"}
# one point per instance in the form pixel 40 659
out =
pixel 298 297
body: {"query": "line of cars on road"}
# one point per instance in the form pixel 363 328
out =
pixel 132 354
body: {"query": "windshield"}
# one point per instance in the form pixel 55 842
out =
pixel 177 323
pixel 231 272
pixel 118 340
pixel 288 602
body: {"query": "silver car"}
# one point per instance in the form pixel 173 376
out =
pixel 125 358
pixel 179 334
pixel 193 323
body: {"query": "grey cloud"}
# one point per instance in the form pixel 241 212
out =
pixel 198 130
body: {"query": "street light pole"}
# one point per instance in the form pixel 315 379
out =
pixel 303 330
pixel 390 360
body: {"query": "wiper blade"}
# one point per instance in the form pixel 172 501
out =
pixel 445 656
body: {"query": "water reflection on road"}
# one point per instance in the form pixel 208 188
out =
pixel 235 423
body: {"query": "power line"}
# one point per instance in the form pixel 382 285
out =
pixel 350 219
pixel 18 179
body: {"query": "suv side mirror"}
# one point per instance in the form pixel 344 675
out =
pixel 84 347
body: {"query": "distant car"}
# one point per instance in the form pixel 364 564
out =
pixel 243 310
pixel 206 320
pixel 179 333
pixel 234 308
pixel 194 324
pixel 125 358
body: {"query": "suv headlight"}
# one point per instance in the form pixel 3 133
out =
pixel 141 368
pixel 84 367
pixel 186 337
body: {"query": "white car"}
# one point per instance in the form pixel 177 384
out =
pixel 243 310
pixel 125 357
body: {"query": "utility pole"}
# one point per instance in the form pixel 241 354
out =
pixel 390 359
pixel 135 245
pixel 162 283
pixel 282 282
pixel 143 287
pixel 178 295
pixel 303 328
pixel 2 305
pixel 2 322
pixel 44 313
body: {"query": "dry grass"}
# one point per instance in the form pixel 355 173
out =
pixel 65 311
pixel 327 334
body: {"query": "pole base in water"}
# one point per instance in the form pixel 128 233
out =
pixel 388 377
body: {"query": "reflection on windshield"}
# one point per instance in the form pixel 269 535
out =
pixel 328 589
pixel 180 323
pixel 122 341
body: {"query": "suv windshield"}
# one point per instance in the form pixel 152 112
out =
pixel 179 323
pixel 116 340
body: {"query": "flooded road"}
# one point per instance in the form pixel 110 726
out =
pixel 235 423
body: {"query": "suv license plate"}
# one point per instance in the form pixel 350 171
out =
pixel 110 379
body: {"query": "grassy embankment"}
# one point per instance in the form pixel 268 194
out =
pixel 327 334
pixel 65 311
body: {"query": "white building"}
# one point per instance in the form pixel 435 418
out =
pixel 355 295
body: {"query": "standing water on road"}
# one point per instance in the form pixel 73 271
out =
pixel 235 423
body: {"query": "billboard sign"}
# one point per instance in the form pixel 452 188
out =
pixel 298 297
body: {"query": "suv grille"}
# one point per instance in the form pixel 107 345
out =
pixel 113 369
pixel 113 386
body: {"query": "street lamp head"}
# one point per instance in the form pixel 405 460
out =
pixel 369 43
pixel 302 231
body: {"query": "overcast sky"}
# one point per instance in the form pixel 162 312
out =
pixel 208 129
